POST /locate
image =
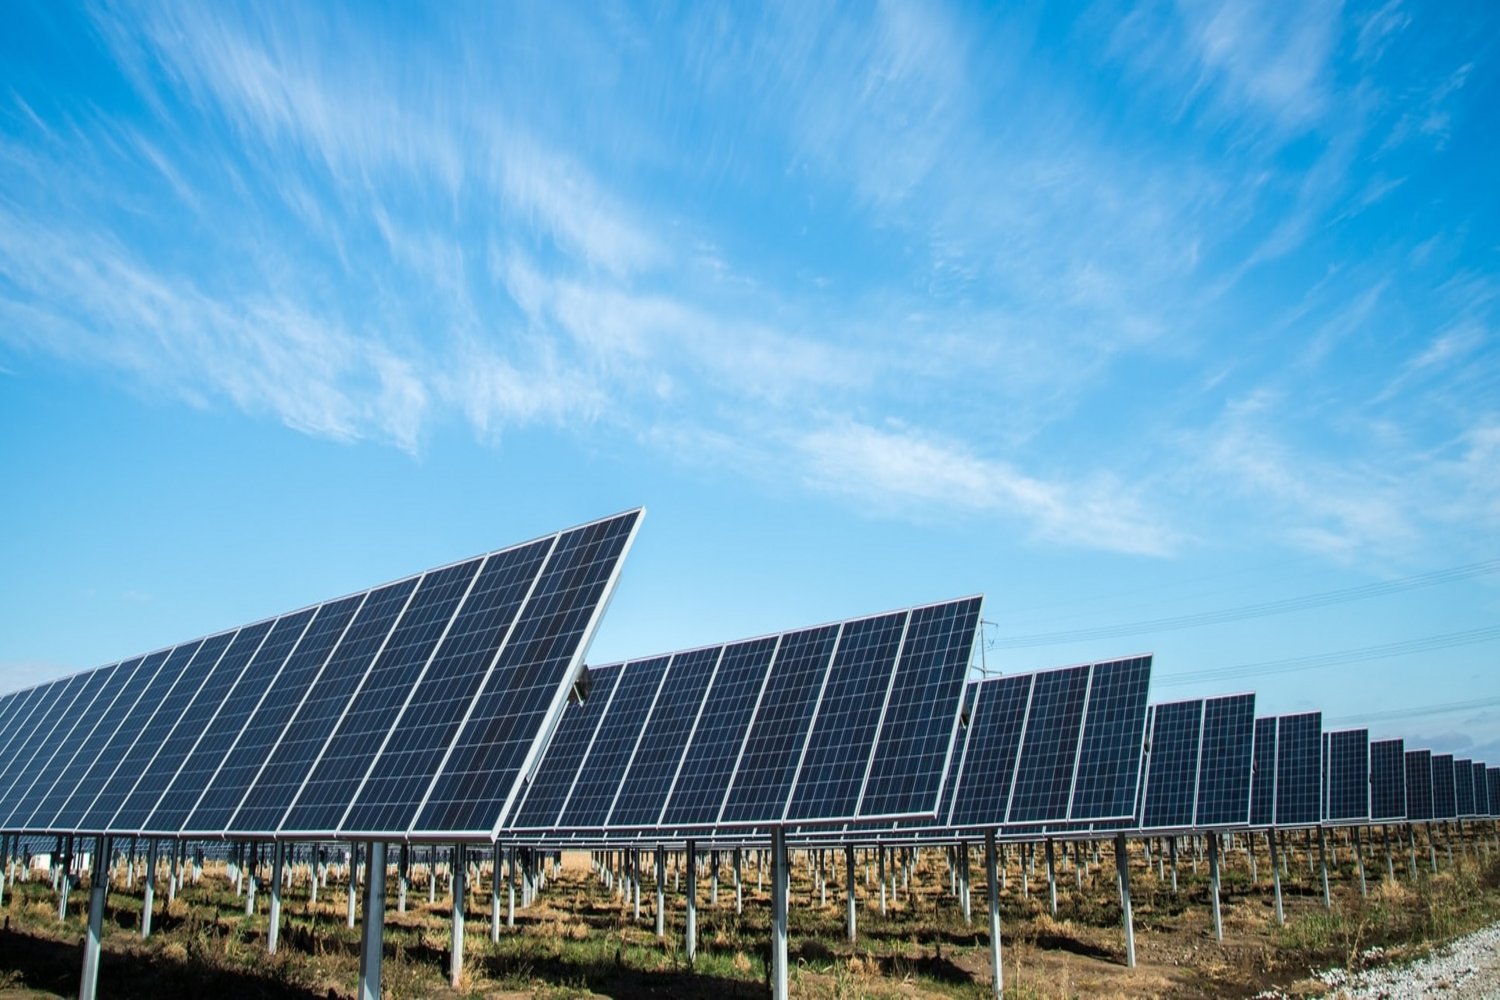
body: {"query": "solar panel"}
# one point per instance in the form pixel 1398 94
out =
pixel 920 719
pixel 1109 756
pixel 379 694
pixel 1225 761
pixel 660 752
pixel 836 756
pixel 396 780
pixel 713 747
pixel 563 763
pixel 1387 781
pixel 283 720
pixel 522 695
pixel 1481 790
pixel 1419 785
pixel 1263 774
pixel 613 745
pixel 771 751
pixel 1049 747
pixel 1348 768
pixel 992 749
pixel 1463 786
pixel 54 754
pixel 259 663
pixel 1493 776
pixel 1172 765
pixel 1444 798
pixel 1299 769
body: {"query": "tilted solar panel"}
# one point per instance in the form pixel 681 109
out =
pixel 614 742
pixel 993 746
pixel 281 722
pixel 562 765
pixel 1387 781
pixel 1225 762
pixel 1263 774
pixel 1299 769
pixel 1481 790
pixel 1049 747
pixel 1493 776
pixel 1444 797
pixel 1463 786
pixel 1348 776
pixel 1109 755
pixel 1419 785
pixel 657 758
pixel 1172 765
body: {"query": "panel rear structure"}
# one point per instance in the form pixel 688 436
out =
pixel 408 710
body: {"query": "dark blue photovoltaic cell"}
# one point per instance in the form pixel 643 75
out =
pixel 762 779
pixel 838 749
pixel 993 746
pixel 921 714
pixel 644 789
pixel 1419 785
pixel 44 763
pixel 57 698
pixel 126 755
pixel 511 716
pixel 560 768
pixel 1463 785
pixel 20 707
pixel 604 768
pixel 1387 780
pixel 1172 765
pixel 206 758
pixel 155 732
pixel 1444 802
pixel 329 788
pixel 182 729
pixel 1299 769
pixel 401 774
pixel 1049 747
pixel 714 747
pixel 1109 758
pixel 1481 790
pixel 1348 768
pixel 305 735
pixel 1263 774
pixel 268 720
pixel 1225 760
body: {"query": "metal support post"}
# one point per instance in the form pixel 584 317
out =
pixel 496 859
pixel 661 891
pixel 690 932
pixel 852 919
pixel 1213 884
pixel 510 888
pixel 353 883
pixel 98 897
pixel 278 860
pixel 1172 851
pixel 1323 867
pixel 1051 879
pixel 1122 863
pixel 991 877
pixel 149 883
pixel 1275 876
pixel 457 873
pixel 403 866
pixel 1359 858
pixel 780 889
pixel 372 933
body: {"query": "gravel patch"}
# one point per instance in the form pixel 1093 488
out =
pixel 1465 969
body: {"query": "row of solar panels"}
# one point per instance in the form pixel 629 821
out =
pixel 411 709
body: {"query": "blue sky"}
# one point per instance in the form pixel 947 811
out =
pixel 1117 314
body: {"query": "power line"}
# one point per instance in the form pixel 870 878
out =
pixel 1281 607
pixel 1336 658
pixel 1414 713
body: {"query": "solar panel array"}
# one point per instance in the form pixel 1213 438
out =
pixel 410 709
pixel 1056 746
pixel 853 720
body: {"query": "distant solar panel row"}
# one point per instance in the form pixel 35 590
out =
pixel 413 708
pixel 841 721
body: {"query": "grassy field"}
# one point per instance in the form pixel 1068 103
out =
pixel 579 939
